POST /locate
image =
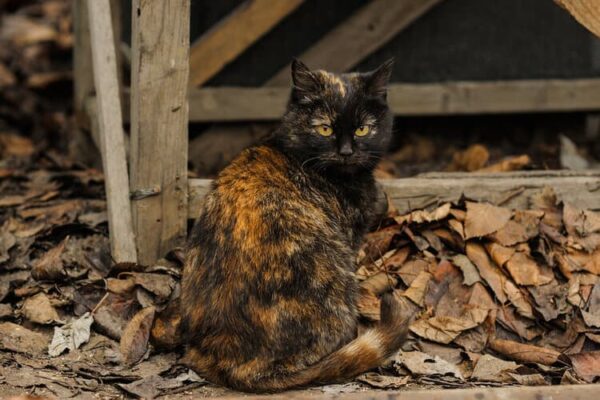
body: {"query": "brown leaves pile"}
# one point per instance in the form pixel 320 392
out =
pixel 504 296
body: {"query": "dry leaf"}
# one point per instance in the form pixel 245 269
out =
pixel 38 309
pixel 16 338
pixel 516 297
pixel 471 159
pixel 492 369
pixel 484 219
pixel 423 364
pixel 422 216
pixel 50 265
pixel 134 341
pixel 586 365
pixel 488 271
pixel 525 271
pixel 418 287
pixel 444 329
pixel 514 163
pixel 71 336
pixel 411 269
pixel 469 271
pixel 383 381
pixel 524 353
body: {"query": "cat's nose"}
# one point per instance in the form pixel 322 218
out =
pixel 346 149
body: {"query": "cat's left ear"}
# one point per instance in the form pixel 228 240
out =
pixel 376 81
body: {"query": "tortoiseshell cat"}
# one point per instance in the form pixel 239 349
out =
pixel 269 293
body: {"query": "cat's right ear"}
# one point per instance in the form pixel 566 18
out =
pixel 305 82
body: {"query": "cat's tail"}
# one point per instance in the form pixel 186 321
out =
pixel 368 351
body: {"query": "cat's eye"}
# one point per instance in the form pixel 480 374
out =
pixel 362 130
pixel 324 130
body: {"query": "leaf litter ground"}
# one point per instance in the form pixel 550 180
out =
pixel 500 297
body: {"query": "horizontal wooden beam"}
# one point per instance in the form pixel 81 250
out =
pixel 563 392
pixel 234 34
pixel 268 103
pixel 581 188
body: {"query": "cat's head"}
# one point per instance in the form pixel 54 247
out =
pixel 337 122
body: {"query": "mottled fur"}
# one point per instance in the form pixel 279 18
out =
pixel 269 293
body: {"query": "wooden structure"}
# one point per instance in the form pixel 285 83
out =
pixel 150 203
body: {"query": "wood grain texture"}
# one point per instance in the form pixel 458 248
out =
pixel 511 190
pixel 358 36
pixel 110 129
pixel 234 34
pixel 268 103
pixel 159 118
pixel 586 12
pixel 563 392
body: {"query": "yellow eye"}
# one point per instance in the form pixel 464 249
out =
pixel 324 130
pixel 362 130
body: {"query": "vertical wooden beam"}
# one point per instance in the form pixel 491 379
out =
pixel 159 120
pixel 110 124
pixel 82 147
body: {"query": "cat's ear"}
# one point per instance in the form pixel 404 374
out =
pixel 376 81
pixel 305 81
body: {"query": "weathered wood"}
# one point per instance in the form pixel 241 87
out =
pixel 268 103
pixel 512 189
pixel 159 118
pixel 562 392
pixel 234 34
pixel 110 123
pixel 358 36
pixel 83 147
pixel 586 12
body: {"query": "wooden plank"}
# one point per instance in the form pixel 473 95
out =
pixel 358 36
pixel 159 119
pixel 508 189
pixel 268 103
pixel 110 125
pixel 234 34
pixel 586 12
pixel 562 392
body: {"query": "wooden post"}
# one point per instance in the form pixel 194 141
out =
pixel 82 147
pixel 159 118
pixel 110 123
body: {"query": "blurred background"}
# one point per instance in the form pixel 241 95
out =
pixel 445 42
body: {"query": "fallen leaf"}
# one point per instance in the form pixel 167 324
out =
pixel 423 216
pixel 14 337
pixel 50 266
pixel 551 299
pixel 471 159
pixel 444 329
pixel 134 341
pixel 529 380
pixel 525 328
pixel 490 273
pixel 514 163
pixel 516 297
pixel 419 363
pixel 411 269
pixel 523 227
pixel 71 336
pixel 500 254
pixel 5 311
pixel 383 381
pixel 416 290
pixel 586 365
pixel 38 309
pixel 525 271
pixel 492 369
pixel 469 271
pixel 525 353
pixel 484 219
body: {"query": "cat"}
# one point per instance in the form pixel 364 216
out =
pixel 269 293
